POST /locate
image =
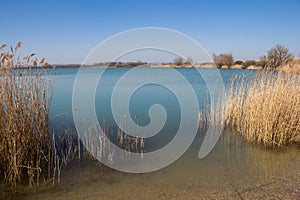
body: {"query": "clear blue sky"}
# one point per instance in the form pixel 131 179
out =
pixel 65 31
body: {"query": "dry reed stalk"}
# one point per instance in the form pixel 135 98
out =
pixel 27 150
pixel 265 108
pixel 24 107
pixel 290 68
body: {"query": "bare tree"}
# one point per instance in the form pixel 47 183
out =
pixel 189 60
pixel 264 58
pixel 227 59
pixel 223 59
pixel 277 56
pixel 178 61
pixel 217 60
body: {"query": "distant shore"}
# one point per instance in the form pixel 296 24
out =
pixel 154 65
pixel 295 62
pixel 236 65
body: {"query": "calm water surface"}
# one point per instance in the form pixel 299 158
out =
pixel 233 170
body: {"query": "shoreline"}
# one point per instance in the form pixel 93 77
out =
pixel 295 64
pixel 197 65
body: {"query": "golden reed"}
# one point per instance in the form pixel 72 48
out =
pixel 265 108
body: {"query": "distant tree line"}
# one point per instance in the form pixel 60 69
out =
pixel 180 61
pixel 277 56
pixel 223 59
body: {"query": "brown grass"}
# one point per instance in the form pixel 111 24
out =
pixel 290 68
pixel 265 108
pixel 24 106
pixel 27 149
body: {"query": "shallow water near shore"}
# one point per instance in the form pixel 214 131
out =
pixel 232 170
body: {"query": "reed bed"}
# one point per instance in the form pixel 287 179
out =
pixel 290 68
pixel 24 107
pixel 29 149
pixel 265 108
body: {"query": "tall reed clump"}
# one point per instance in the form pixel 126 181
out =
pixel 265 108
pixel 25 94
pixel 290 68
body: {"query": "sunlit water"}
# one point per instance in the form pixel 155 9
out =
pixel 232 170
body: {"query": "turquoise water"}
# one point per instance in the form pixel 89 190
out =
pixel 140 102
pixel 150 94
pixel 232 170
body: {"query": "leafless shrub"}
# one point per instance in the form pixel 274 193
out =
pixel 277 56
pixel 189 61
pixel 178 61
pixel 223 59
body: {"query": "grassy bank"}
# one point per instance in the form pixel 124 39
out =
pixel 265 108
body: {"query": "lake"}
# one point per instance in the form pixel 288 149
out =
pixel 232 170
